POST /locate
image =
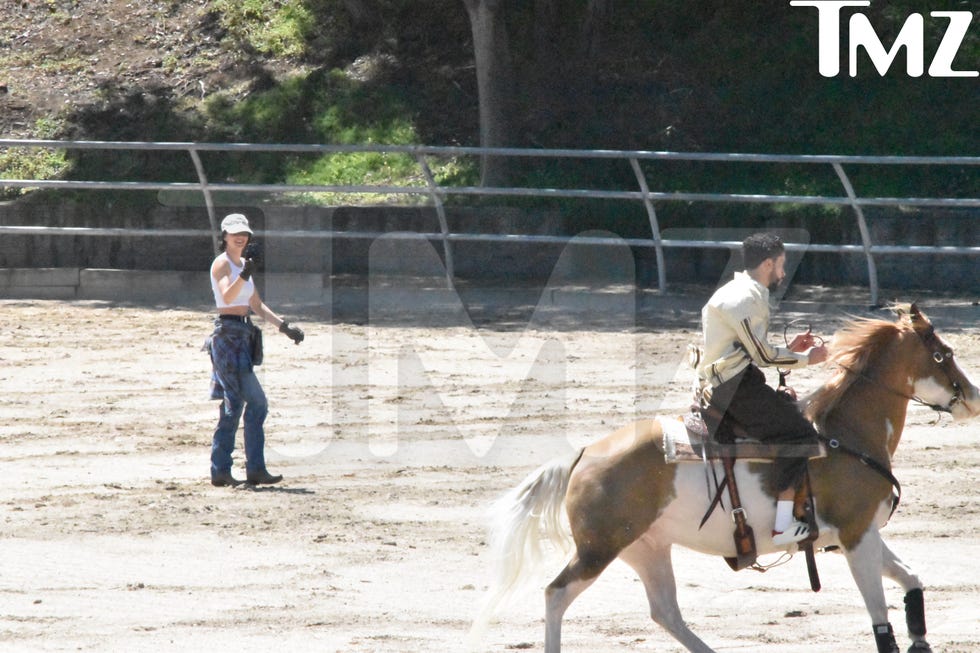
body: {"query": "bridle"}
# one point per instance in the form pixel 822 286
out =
pixel 942 356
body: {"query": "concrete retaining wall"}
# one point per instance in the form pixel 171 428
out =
pixel 147 286
pixel 83 266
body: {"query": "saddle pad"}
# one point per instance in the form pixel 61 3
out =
pixel 684 444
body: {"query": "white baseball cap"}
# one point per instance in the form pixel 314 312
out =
pixel 235 223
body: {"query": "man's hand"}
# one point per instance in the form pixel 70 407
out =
pixel 817 355
pixel 293 332
pixel 807 341
pixel 802 342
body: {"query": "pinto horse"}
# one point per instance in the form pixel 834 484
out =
pixel 623 500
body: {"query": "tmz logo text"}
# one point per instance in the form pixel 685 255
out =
pixel 862 35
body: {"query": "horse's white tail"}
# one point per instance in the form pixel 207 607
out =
pixel 522 521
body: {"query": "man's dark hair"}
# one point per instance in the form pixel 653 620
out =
pixel 759 247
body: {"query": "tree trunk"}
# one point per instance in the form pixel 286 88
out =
pixel 366 19
pixel 495 85
pixel 546 21
pixel 365 14
pixel 593 31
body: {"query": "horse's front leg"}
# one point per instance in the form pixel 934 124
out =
pixel 866 561
pixel 915 613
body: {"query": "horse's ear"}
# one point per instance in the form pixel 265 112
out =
pixel 914 312
pixel 902 311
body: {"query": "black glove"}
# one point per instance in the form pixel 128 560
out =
pixel 253 251
pixel 248 268
pixel 293 332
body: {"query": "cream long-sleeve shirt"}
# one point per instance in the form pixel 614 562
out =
pixel 735 322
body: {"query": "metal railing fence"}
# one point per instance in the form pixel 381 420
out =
pixel 438 193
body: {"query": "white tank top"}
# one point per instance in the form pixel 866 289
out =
pixel 244 295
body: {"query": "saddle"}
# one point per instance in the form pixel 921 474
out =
pixel 693 443
pixel 688 440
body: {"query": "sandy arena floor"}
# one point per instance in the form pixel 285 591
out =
pixel 113 539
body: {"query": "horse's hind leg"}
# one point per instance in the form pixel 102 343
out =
pixel 574 579
pixel 915 614
pixel 652 562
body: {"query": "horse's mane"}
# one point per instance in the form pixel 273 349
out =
pixel 853 349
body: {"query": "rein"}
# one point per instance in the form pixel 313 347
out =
pixel 868 461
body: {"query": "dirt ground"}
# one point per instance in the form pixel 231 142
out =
pixel 393 440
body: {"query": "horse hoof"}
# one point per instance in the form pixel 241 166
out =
pixel 920 647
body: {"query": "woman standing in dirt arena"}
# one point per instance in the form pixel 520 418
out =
pixel 235 348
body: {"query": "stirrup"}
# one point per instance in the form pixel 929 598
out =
pixel 794 533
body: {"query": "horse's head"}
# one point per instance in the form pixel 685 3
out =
pixel 934 374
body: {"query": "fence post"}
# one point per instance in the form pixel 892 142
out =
pixel 208 200
pixel 441 213
pixel 863 228
pixel 654 225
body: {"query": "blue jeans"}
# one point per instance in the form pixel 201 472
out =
pixel 256 407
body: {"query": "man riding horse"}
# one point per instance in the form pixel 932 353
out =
pixel 735 323
pixel 623 498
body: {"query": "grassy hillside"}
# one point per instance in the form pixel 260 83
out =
pixel 220 70
pixel 695 76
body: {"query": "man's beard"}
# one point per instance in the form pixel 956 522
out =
pixel 774 286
